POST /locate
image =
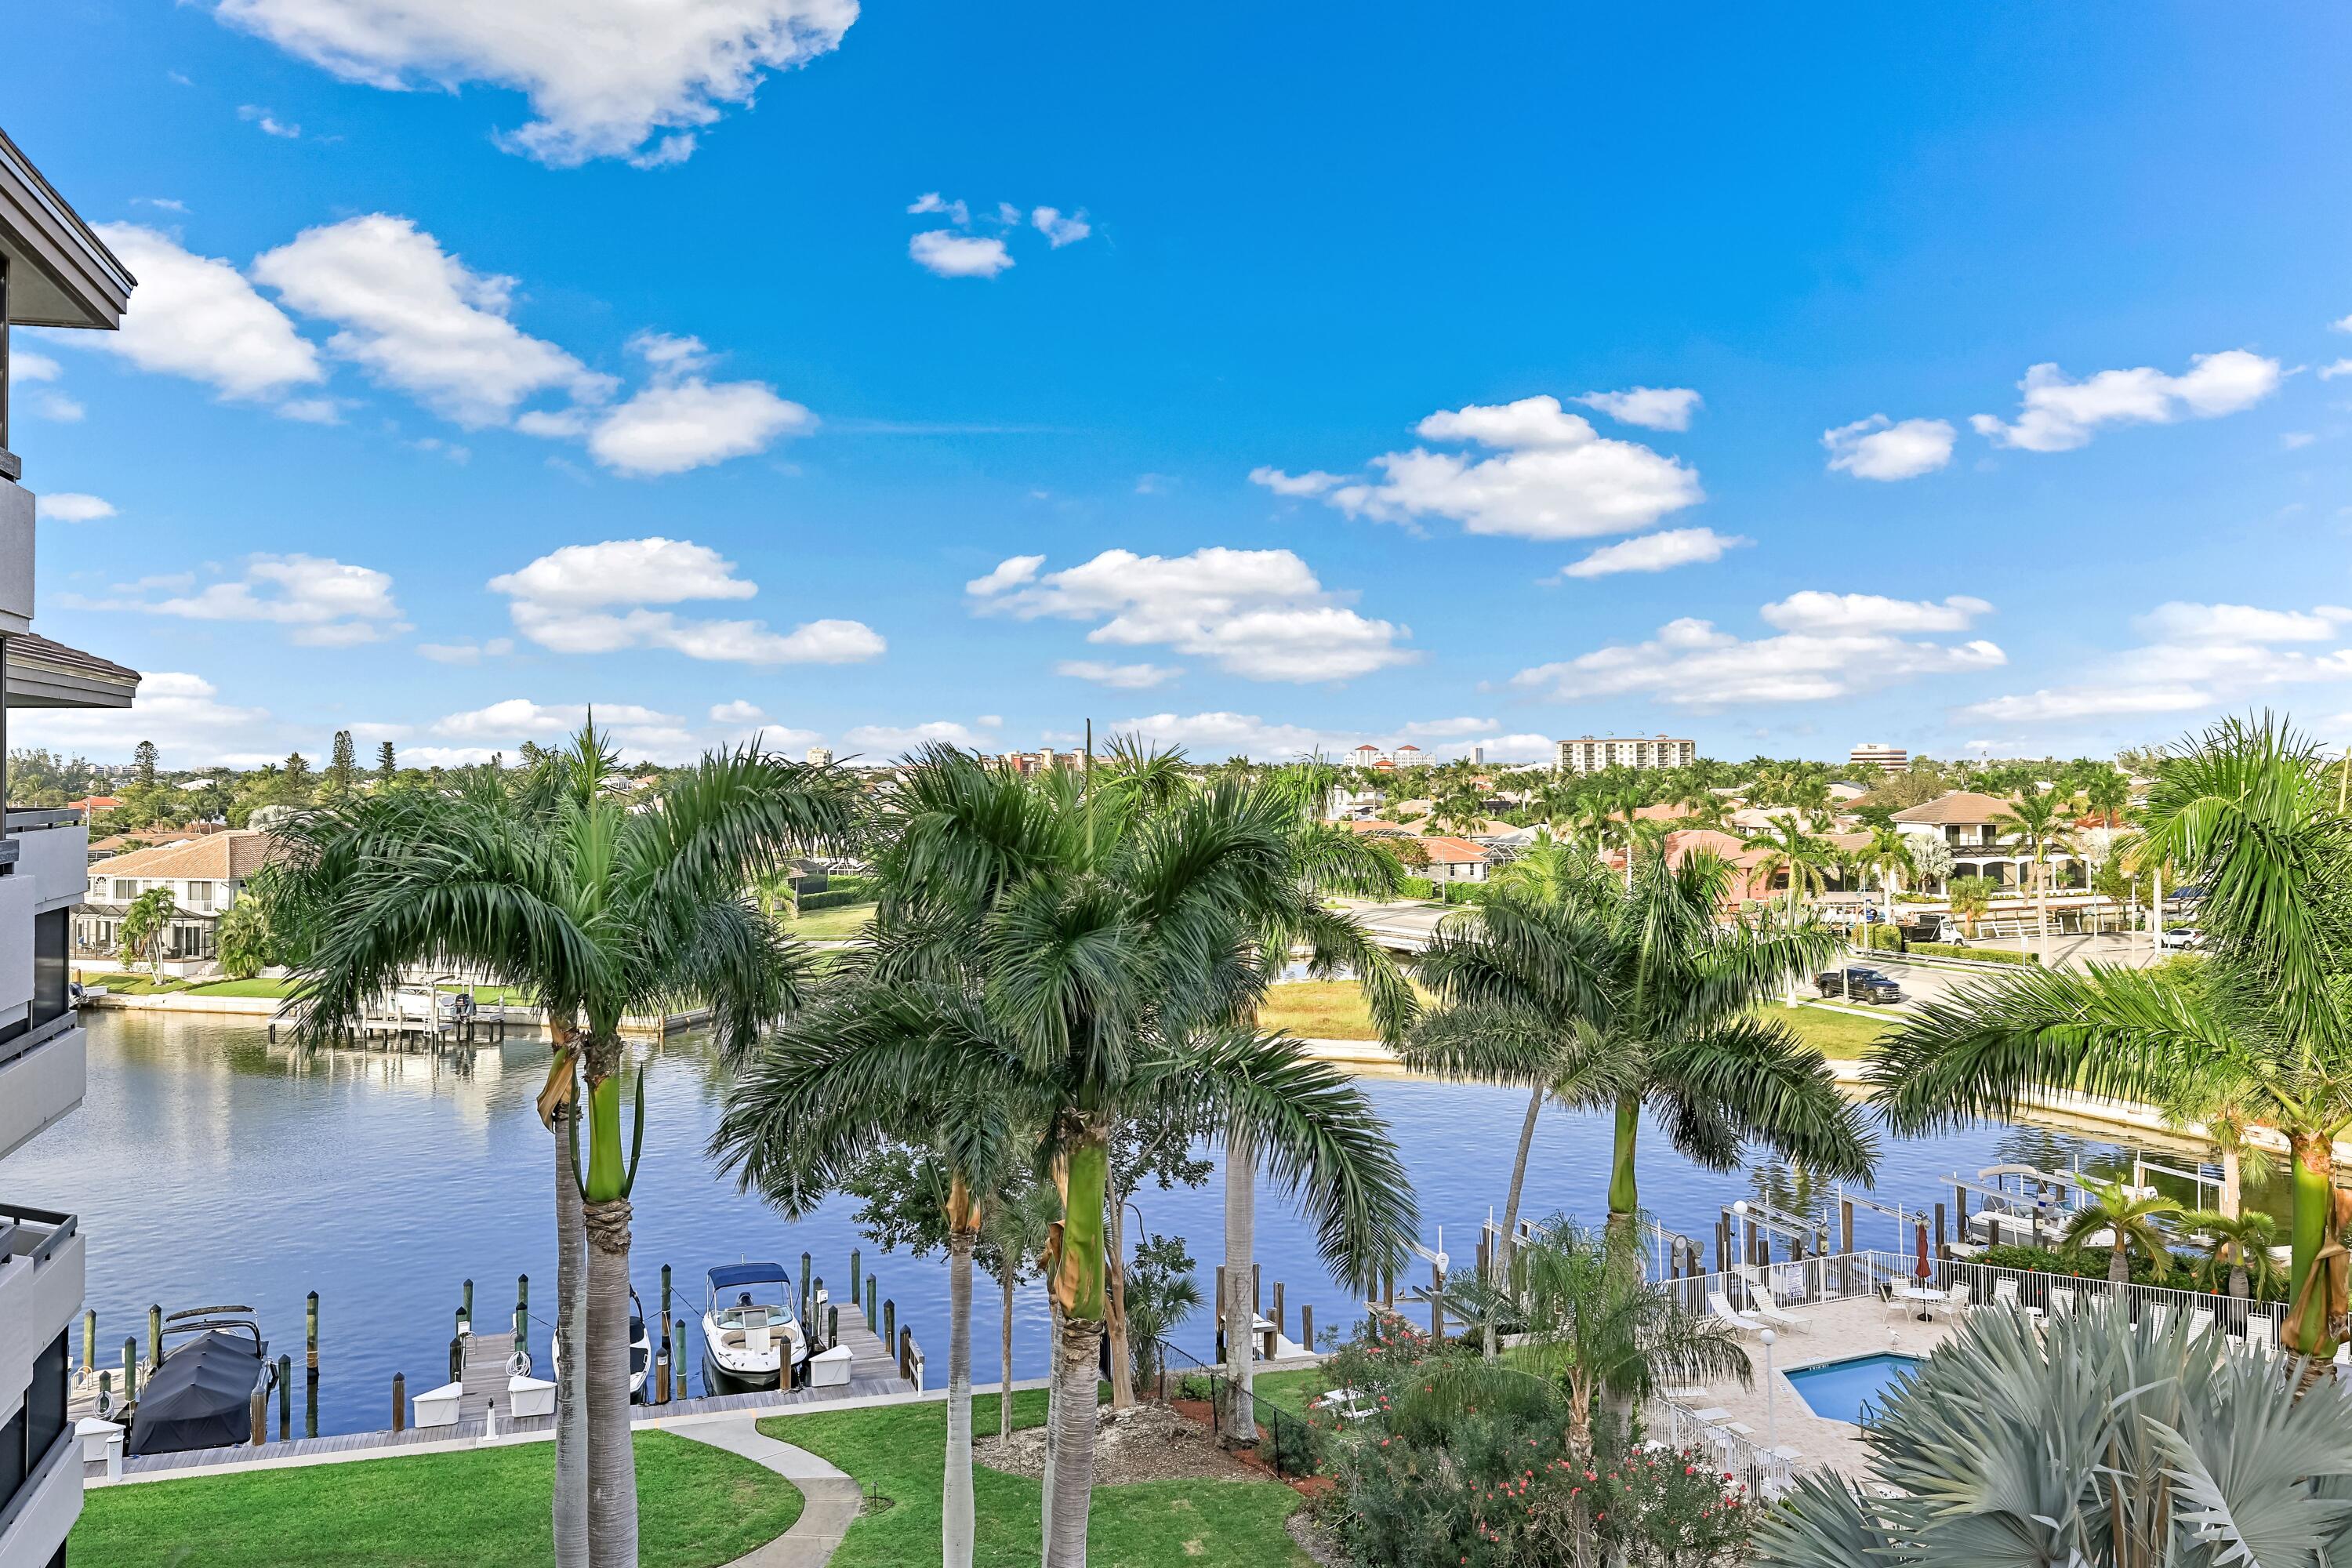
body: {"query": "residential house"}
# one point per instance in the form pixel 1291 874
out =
pixel 1454 859
pixel 205 875
pixel 1965 820
pixel 54 272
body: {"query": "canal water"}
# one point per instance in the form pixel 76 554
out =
pixel 209 1166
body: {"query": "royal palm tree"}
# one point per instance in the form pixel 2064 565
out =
pixel 1082 957
pixel 2240 1247
pixel 2133 1220
pixel 1887 855
pixel 2259 1025
pixel 2108 793
pixel 1625 999
pixel 2038 816
pixel 600 911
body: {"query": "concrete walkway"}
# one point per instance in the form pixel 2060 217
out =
pixel 832 1499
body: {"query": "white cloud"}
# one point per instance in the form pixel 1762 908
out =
pixel 673 426
pixel 416 317
pixel 465 652
pixel 1652 407
pixel 1868 615
pixel 24 365
pixel 1119 677
pixel 2293 441
pixel 929 201
pixel 57 406
pixel 889 740
pixel 947 254
pixel 1837 646
pixel 196 316
pixel 67 506
pixel 589 598
pixel 1260 614
pixel 2338 367
pixel 638 732
pixel 1657 553
pixel 269 124
pixel 1059 231
pixel 326 603
pixel 605 78
pixel 1313 482
pixel 2199 658
pixel 1881 448
pixel 2180 622
pixel 1553 477
pixel 1223 734
pixel 1010 572
pixel 737 712
pixel 1447 729
pixel 177 710
pixel 2059 414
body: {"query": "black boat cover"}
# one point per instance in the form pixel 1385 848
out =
pixel 201 1397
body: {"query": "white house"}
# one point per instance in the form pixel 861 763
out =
pixel 205 875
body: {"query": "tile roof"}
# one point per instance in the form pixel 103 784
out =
pixel 1445 850
pixel 1961 808
pixel 215 858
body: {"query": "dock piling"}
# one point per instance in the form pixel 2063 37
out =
pixel 466 1312
pixel 105 1392
pixel 1257 1291
pixel 832 1327
pixel 856 1269
pixel 130 1366
pixel 873 1291
pixel 310 1335
pixel 285 1397
pixel 808 1302
pixel 399 1402
pixel 89 1343
pixel 259 1409
pixel 677 1364
pixel 154 1336
pixel 889 1321
pixel 522 1314
pixel 456 1358
pixel 661 1368
pixel 1278 1307
pixel 1307 1323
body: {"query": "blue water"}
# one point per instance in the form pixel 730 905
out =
pixel 1850 1390
pixel 209 1166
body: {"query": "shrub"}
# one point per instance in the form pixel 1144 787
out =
pixel 1417 887
pixel 1978 954
pixel 833 899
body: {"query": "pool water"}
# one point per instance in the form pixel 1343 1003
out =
pixel 1850 1390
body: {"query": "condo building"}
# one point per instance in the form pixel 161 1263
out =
pixel 1588 755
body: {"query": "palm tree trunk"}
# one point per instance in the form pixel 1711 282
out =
pixel 1071 1484
pixel 2314 1201
pixel 1240 1305
pixel 956 1510
pixel 611 1464
pixel 1122 1368
pixel 2119 1260
pixel 1624 1196
pixel 2233 1181
pixel 2042 905
pixel 570 1310
pixel 1502 1262
pixel 1004 1389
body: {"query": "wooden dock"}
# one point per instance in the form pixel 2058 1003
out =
pixel 873 1371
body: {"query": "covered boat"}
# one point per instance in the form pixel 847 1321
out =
pixel 201 1396
pixel 751 1328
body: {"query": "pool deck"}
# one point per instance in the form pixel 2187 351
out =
pixel 1833 1331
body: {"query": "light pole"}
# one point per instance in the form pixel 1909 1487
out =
pixel 1770 1338
pixel 1740 1230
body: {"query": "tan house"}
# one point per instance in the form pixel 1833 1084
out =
pixel 205 875
pixel 1456 859
pixel 1965 820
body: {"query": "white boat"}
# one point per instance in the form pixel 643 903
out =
pixel 751 1327
pixel 641 1349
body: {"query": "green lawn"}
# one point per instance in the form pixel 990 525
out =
pixel 487 1509
pixel 844 919
pixel 897 1450
pixel 276 989
pixel 124 983
pixel 1320 1010
pixel 1841 1037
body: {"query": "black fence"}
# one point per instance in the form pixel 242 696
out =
pixel 1291 1443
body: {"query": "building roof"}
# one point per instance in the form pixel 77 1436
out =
pixel 94 802
pixel 1962 808
pixel 1664 811
pixel 47 674
pixel 215 858
pixel 1445 850
pixel 1374 825
pixel 60 274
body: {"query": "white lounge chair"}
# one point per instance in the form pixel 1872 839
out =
pixel 2004 1294
pixel 2262 1333
pixel 2062 1300
pixel 2200 1321
pixel 1955 1303
pixel 1767 1307
pixel 2155 1315
pixel 1720 1305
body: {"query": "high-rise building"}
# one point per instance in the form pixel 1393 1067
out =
pixel 1586 754
pixel 1885 759
pixel 54 272
pixel 819 756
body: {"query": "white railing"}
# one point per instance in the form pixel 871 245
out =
pixel 2153 1304
pixel 1768 1475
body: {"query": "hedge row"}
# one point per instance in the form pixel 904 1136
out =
pixel 834 897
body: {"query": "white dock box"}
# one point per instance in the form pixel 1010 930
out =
pixel 438 1406
pixel 829 1369
pixel 529 1396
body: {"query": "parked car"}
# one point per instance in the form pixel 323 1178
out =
pixel 2180 939
pixel 1939 928
pixel 1858 983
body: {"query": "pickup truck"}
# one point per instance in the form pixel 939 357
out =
pixel 1857 984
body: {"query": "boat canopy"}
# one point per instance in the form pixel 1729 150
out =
pixel 200 1397
pixel 731 1274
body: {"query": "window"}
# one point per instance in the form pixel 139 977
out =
pixel 200 896
pixel 125 889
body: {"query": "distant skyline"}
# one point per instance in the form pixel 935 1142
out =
pixel 1970 381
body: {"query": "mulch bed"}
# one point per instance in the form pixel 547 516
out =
pixel 1142 1443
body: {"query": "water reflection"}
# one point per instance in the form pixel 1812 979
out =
pixel 209 1166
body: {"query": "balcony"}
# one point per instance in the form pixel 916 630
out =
pixel 42 1255
pixel 42 1072
pixel 35 1523
pixel 53 847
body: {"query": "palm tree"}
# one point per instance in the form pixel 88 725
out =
pixel 2087 1440
pixel 1802 858
pixel 1014 1232
pixel 1627 999
pixel 2039 817
pixel 145 922
pixel 1080 957
pixel 601 911
pixel 2242 1242
pixel 2260 1025
pixel 2133 1220
pixel 1888 856
pixel 1970 898
pixel 2108 793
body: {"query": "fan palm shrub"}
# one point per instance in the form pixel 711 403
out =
pixel 2091 1441
pixel 2133 1222
pixel 2238 1247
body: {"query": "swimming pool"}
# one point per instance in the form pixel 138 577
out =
pixel 1845 1390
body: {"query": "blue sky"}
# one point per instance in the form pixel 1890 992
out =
pixel 1250 376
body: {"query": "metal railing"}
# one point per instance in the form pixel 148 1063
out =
pixel 1767 1475
pixel 2030 1289
pixel 1291 1443
pixel 33 1233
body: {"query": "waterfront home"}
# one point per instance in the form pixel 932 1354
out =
pixel 54 272
pixel 206 875
pixel 1966 820
pixel 1456 859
